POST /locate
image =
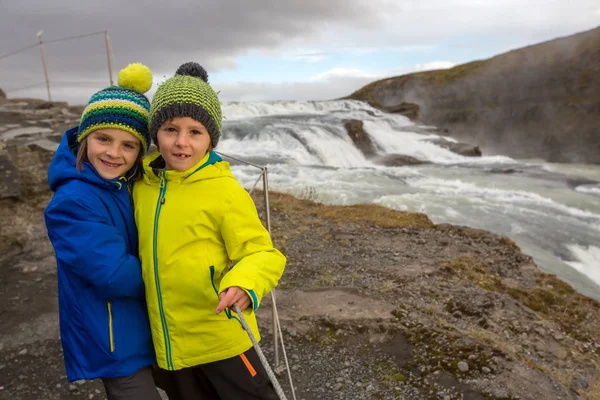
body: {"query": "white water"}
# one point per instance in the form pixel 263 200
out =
pixel 551 210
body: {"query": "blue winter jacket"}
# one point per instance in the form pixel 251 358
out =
pixel 103 317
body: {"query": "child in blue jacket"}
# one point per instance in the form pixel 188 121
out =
pixel 104 325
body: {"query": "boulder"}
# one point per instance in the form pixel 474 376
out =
pixel 410 110
pixel 9 175
pixel 361 139
pixel 31 161
pixel 464 149
pixel 398 160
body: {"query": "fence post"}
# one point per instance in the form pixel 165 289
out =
pixel 107 41
pixel 39 35
pixel 274 308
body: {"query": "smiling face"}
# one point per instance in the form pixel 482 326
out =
pixel 182 142
pixel 112 152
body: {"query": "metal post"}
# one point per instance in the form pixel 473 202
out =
pixel 39 35
pixel 107 41
pixel 266 193
pixel 274 307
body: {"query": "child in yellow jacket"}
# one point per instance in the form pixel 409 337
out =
pixel 202 248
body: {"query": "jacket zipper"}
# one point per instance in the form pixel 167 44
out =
pixel 111 337
pixel 163 320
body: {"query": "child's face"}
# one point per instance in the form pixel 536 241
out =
pixel 182 142
pixel 112 152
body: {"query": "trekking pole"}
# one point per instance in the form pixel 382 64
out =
pixel 262 357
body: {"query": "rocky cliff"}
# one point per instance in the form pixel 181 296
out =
pixel 538 101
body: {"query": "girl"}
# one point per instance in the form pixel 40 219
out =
pixel 104 325
pixel 202 247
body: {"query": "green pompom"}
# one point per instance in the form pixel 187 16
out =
pixel 136 76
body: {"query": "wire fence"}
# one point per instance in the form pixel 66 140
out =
pixel 47 82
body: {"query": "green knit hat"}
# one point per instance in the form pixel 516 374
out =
pixel 187 94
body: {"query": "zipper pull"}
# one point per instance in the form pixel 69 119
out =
pixel 163 184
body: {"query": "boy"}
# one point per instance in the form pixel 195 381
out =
pixel 202 247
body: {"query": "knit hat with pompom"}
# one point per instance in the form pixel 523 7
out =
pixel 187 94
pixel 121 107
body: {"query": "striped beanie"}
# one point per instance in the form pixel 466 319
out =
pixel 187 94
pixel 121 107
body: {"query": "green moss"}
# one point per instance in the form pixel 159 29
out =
pixel 438 350
pixel 388 373
pixel 473 270
pixel 328 338
pixel 538 299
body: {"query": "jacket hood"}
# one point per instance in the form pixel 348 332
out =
pixel 63 166
pixel 209 167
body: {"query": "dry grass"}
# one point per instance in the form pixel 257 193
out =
pixel 433 310
pixel 378 215
pixel 493 340
pixel 326 280
pixel 360 213
pixel 388 286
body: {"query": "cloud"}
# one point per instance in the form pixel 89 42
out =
pixel 331 84
pixel 422 67
pixel 356 73
pixel 311 57
pixel 163 34
pixel 337 73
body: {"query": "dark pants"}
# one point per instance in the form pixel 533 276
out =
pixel 139 386
pixel 236 378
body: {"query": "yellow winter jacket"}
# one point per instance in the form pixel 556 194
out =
pixel 192 226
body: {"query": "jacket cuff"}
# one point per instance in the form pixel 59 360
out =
pixel 253 298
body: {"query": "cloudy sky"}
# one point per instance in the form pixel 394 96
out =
pixel 258 50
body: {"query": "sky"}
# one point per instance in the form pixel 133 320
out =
pixel 264 50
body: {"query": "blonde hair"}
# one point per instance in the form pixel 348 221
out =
pixel 82 157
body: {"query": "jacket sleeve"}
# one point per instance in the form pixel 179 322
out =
pixel 92 248
pixel 258 266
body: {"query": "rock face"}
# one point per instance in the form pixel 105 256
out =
pixel 30 131
pixel 538 101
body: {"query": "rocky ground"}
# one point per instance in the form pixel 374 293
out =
pixel 374 303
